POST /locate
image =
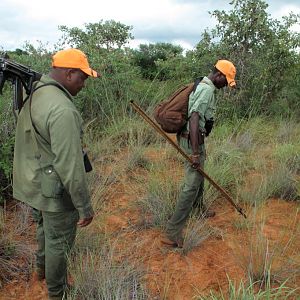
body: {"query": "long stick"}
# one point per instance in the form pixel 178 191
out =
pixel 187 157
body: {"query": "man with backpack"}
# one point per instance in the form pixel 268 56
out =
pixel 201 110
pixel 49 172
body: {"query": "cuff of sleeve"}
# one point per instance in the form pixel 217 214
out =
pixel 86 212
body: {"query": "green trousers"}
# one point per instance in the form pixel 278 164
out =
pixel 191 194
pixel 55 235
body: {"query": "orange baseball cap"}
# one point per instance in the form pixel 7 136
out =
pixel 73 58
pixel 227 68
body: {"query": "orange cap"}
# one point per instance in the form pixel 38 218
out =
pixel 73 58
pixel 227 68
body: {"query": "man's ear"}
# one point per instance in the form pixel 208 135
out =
pixel 69 74
pixel 219 74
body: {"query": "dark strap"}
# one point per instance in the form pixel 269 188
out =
pixel 185 135
pixel 30 102
pixel 197 81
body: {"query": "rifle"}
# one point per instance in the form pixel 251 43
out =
pixel 211 181
pixel 21 78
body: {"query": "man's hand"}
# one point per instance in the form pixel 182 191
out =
pixel 85 222
pixel 195 160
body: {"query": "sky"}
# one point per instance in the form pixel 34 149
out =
pixel 180 22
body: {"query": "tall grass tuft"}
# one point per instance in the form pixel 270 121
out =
pixel 288 154
pixel 226 165
pixel 257 193
pixel 254 256
pixel 249 291
pixel 283 184
pixel 16 255
pixel 162 191
pixel 279 182
pixel 137 159
pixel 196 232
pixel 266 261
pixel 105 273
pixel 129 131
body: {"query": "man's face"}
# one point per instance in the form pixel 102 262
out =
pixel 75 81
pixel 220 81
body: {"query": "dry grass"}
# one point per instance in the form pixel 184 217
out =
pixel 267 261
pixel 105 272
pixel 16 254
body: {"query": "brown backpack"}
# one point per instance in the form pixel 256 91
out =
pixel 172 114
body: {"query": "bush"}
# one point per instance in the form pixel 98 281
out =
pixel 6 158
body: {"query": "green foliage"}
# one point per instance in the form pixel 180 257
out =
pixel 6 145
pixel 102 35
pixel 6 154
pixel 147 57
pixel 263 49
pixel 107 97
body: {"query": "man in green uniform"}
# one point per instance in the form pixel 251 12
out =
pixel 49 173
pixel 201 110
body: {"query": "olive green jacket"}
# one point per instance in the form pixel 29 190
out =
pixel 48 170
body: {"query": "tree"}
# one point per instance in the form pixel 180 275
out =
pixel 108 35
pixel 147 56
pixel 264 51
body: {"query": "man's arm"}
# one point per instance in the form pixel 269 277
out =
pixel 198 109
pixel 68 162
pixel 194 138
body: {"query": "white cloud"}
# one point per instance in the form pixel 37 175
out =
pixel 285 9
pixel 178 21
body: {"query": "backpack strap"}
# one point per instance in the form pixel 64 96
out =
pixel 197 81
pixel 30 102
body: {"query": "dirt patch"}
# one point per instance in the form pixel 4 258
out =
pixel 168 273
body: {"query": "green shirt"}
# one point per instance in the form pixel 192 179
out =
pixel 203 102
pixel 48 171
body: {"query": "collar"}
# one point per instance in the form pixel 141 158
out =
pixel 48 79
pixel 209 82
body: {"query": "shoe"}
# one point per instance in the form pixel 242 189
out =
pixel 177 244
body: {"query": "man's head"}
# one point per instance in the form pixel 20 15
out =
pixel 70 68
pixel 224 74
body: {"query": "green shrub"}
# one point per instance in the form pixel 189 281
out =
pixel 6 159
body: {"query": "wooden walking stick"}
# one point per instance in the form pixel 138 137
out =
pixel 187 157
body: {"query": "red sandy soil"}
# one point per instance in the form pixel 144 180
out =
pixel 169 273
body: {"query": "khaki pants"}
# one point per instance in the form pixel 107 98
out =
pixel 55 234
pixel 191 194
